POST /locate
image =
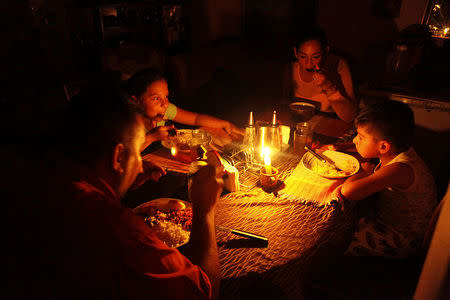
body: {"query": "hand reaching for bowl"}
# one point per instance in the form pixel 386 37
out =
pixel 233 130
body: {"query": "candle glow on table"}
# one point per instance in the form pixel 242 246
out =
pixel 267 161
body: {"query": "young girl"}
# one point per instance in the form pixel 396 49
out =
pixel 407 193
pixel 321 77
pixel 149 89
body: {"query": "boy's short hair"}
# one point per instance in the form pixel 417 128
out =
pixel 98 118
pixel 138 83
pixel 392 121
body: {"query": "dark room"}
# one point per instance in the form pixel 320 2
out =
pixel 226 149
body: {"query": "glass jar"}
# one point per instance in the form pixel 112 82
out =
pixel 303 135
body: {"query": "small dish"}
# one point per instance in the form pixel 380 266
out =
pixel 187 138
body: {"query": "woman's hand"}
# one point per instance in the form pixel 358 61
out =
pixel 320 79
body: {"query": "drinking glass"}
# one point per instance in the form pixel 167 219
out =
pixel 303 136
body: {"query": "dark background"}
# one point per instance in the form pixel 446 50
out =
pixel 223 58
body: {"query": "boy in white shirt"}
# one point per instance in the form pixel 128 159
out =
pixel 407 192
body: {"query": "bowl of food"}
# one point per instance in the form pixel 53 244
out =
pixel 348 164
pixel 187 139
pixel 170 219
pixel 302 111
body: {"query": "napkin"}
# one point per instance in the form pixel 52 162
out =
pixel 231 182
pixel 308 187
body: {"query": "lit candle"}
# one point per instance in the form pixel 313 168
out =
pixel 267 161
pixel 173 151
pixel 263 136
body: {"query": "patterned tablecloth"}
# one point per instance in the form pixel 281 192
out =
pixel 301 236
pixel 304 228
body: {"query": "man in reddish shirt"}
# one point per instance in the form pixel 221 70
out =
pixel 84 243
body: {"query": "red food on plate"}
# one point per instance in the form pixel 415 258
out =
pixel 182 217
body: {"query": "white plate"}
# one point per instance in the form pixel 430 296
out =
pixel 164 205
pixel 344 161
pixel 188 137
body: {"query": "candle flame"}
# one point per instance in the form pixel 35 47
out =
pixel 267 160
pixel 173 151
pixel 263 137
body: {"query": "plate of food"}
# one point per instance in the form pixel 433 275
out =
pixel 185 139
pixel 170 218
pixel 348 164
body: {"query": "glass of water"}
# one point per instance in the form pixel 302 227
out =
pixel 303 136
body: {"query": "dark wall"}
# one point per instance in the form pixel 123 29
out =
pixel 361 30
pixel 36 55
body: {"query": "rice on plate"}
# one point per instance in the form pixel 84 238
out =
pixel 173 235
pixel 170 219
pixel 348 164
